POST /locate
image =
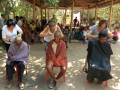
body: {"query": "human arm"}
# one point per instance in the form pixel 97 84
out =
pixel 89 35
pixel 58 28
pixel 110 34
pixel 44 33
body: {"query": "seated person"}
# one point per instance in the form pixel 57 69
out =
pixel 99 52
pixel 115 34
pixel 56 56
pixel 17 55
pixel 81 35
pixel 66 36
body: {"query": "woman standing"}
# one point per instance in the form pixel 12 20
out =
pixel 48 32
pixel 9 33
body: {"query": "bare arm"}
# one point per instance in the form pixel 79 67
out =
pixel 58 28
pixel 110 35
pixel 44 33
pixel 91 36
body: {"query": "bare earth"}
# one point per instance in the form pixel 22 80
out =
pixel 75 77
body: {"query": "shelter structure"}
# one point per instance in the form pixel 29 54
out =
pixel 76 4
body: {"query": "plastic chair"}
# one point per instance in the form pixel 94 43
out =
pixel 106 82
pixel 16 66
pixel 47 74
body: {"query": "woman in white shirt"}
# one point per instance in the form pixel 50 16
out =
pixel 9 33
pixel 48 32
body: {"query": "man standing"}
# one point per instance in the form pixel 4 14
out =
pixel 53 19
pixel 20 22
pixel 75 22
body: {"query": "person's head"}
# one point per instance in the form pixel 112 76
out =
pixel 16 17
pixel 57 35
pixel 2 15
pixel 52 26
pixel 103 24
pixel 10 23
pixel 18 41
pixel 66 28
pixel 102 37
pixel 116 29
pixel 33 22
pixel 21 17
pixel 53 16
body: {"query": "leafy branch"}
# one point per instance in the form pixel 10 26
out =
pixel 51 3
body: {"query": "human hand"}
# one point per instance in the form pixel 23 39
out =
pixel 19 35
pixel 49 34
pixel 11 58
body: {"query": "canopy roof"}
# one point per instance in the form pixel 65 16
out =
pixel 87 4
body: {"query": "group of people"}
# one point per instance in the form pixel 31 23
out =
pixel 97 59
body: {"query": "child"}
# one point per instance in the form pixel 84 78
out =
pixel 66 35
pixel 115 34
pixel 32 37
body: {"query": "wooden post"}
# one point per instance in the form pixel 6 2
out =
pixel 96 14
pixel 45 13
pixel 34 10
pixel 110 17
pixel 82 17
pixel 65 17
pixel 71 16
pixel 87 17
pixel 48 15
pixel 41 14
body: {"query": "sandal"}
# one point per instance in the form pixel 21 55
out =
pixel 8 86
pixel 21 86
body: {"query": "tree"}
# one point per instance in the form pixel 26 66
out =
pixel 51 3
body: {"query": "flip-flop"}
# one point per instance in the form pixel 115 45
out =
pixel 21 86
pixel 8 86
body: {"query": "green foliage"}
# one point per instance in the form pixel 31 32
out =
pixel 51 3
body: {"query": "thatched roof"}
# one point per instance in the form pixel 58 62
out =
pixel 78 3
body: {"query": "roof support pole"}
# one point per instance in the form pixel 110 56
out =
pixel 48 15
pixel 87 17
pixel 45 13
pixel 110 17
pixel 82 16
pixel 41 13
pixel 34 10
pixel 71 16
pixel 65 16
pixel 96 14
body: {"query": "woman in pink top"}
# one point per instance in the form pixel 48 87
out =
pixel 115 34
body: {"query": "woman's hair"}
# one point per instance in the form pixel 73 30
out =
pixel 10 22
pixel 51 24
pixel 102 22
pixel 102 34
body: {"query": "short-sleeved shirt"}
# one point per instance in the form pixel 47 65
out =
pixel 10 35
pixel 32 27
pixel 95 31
pixel 66 36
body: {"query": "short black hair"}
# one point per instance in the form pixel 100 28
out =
pixel 66 27
pixel 102 34
pixel 10 22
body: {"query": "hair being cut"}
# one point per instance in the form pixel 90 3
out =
pixel 102 34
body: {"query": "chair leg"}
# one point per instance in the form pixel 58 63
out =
pixel 17 73
pixel 47 76
pixel 106 82
pixel 26 70
pixel 64 78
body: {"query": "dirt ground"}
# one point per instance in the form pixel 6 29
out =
pixel 75 77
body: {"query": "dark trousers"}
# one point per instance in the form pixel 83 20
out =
pixel 7 47
pixel 9 70
pixel 115 38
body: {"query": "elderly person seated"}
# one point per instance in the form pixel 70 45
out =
pixel 17 55
pixel 56 56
